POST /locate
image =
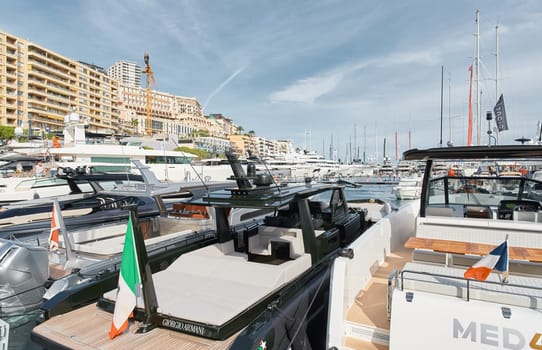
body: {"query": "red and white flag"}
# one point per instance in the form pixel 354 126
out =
pixel 55 226
pixel 497 260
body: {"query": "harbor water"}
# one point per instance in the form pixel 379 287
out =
pixel 377 191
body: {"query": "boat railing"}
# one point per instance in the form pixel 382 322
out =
pixel 526 294
pixel 171 245
pixel 392 282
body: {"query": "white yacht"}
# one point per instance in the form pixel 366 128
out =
pixel 404 285
pixel 80 148
pixel 299 165
pixel 405 168
pixel 409 187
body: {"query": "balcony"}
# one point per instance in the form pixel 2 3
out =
pixel 36 107
pixel 44 70
pixel 36 90
pixel 58 89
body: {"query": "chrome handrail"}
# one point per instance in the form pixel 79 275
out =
pixel 392 282
pixel 469 283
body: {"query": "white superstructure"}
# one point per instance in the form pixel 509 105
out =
pixel 405 288
pixel 167 165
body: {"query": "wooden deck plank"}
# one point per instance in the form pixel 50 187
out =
pixel 88 328
pixel 370 305
pixel 458 247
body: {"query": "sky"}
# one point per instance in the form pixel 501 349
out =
pixel 342 75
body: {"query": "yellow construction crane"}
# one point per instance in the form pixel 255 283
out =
pixel 150 80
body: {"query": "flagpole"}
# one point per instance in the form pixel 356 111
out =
pixel 505 273
pixel 67 239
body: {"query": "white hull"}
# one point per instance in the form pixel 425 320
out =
pixel 349 276
pixel 461 324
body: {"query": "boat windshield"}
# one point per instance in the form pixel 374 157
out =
pixel 485 191
pixel 40 182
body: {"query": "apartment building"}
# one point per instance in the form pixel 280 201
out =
pixel 255 146
pixel 38 87
pixel 126 72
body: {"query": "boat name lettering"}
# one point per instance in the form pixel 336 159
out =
pixel 494 335
pixel 183 326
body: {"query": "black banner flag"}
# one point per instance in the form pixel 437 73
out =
pixel 500 115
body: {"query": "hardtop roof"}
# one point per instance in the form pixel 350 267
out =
pixel 476 152
pixel 262 197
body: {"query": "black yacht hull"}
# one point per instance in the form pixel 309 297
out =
pixel 299 322
pixel 89 292
pixel 147 207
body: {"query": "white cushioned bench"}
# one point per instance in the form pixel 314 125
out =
pixel 261 242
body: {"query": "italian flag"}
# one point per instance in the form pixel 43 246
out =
pixel 129 281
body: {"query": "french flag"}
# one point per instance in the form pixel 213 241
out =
pixel 496 260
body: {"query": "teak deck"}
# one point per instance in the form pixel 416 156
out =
pixel 457 247
pixel 88 328
pixel 370 307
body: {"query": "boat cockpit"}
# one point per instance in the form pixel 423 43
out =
pixel 491 197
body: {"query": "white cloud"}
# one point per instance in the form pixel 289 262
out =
pixel 308 90
pixel 221 86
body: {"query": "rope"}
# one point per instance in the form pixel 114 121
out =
pixel 304 316
pixel 306 312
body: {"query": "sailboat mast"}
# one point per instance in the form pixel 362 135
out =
pixel 349 149
pixel 331 148
pixel 441 95
pixel 497 73
pixel 396 147
pixel 477 67
pixel 450 142
pixel 496 62
pixel 364 144
pixel 384 157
